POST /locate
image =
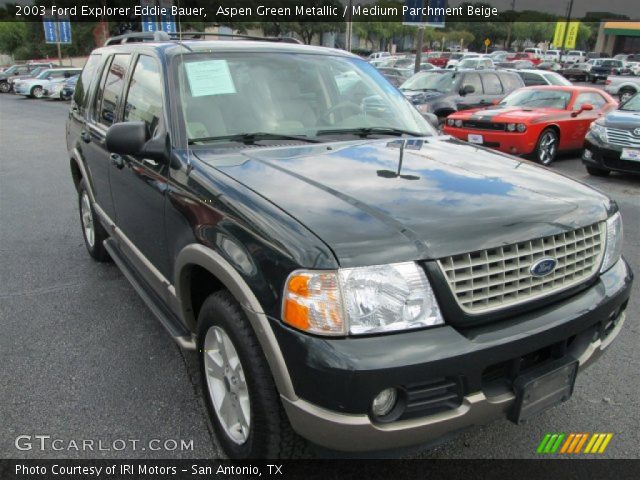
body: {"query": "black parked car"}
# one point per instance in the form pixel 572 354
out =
pixel 445 92
pixel 345 275
pixel 604 67
pixel 578 71
pixel 613 142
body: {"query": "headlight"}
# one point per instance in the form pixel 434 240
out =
pixel 360 300
pixel 458 123
pixel 521 127
pixel 599 131
pixel 450 122
pixel 613 247
pixel 511 127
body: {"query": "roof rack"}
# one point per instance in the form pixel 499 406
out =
pixel 167 37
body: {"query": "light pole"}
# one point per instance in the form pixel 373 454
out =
pixel 566 29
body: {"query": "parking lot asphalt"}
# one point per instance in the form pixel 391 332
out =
pixel 82 358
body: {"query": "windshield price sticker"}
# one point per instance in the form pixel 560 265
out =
pixel 210 77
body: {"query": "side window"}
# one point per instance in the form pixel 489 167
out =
pixel 492 85
pixel 510 82
pixel 22 70
pixel 532 79
pixel 111 90
pixel 144 99
pixel 83 87
pixel 594 99
pixel 472 79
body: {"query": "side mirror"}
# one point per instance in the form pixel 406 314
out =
pixel 466 90
pixel 586 107
pixel 131 138
pixel 126 138
pixel 495 102
pixel 432 119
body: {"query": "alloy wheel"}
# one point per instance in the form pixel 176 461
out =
pixel 227 384
pixel 87 220
pixel 547 148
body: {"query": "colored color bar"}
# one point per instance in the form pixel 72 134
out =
pixel 592 441
pixel 582 442
pixel 606 441
pixel 543 443
pixel 558 442
pixel 567 442
pixel 596 446
pixel 551 442
pixel 576 440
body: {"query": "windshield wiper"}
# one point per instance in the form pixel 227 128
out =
pixel 366 131
pixel 251 138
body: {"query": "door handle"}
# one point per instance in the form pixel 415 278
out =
pixel 117 161
pixel 84 135
pixel 150 162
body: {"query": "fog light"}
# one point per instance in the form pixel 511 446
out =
pixel 384 402
pixel 587 154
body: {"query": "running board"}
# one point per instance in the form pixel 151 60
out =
pixel 169 321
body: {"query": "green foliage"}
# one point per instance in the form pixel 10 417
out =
pixel 12 36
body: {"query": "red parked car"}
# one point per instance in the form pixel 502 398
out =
pixel 438 59
pixel 538 121
pixel 524 56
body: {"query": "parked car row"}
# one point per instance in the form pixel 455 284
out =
pixel 533 113
pixel 40 80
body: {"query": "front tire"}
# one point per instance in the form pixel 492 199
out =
pixel 37 92
pixel 93 232
pixel 547 147
pixel 5 87
pixel 241 396
pixel 625 94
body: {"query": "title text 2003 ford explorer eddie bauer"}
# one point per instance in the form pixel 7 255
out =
pixel 346 275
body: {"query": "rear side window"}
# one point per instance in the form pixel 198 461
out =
pixel 144 99
pixel 492 85
pixel 532 79
pixel 111 90
pixel 472 79
pixel 510 82
pixel 83 87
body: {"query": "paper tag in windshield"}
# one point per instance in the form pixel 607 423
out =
pixel 210 77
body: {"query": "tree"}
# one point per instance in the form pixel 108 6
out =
pixel 13 35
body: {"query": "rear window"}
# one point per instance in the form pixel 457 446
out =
pixel 83 86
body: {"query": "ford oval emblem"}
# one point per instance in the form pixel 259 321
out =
pixel 543 267
pixel 636 132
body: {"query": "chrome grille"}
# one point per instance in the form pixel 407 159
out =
pixel 496 278
pixel 625 138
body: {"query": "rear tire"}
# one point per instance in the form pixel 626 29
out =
pixel 598 172
pixel 93 232
pixel 546 147
pixel 241 396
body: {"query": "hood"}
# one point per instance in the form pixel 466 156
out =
pixel 450 197
pixel 622 119
pixel 510 114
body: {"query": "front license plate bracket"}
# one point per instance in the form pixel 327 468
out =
pixel 543 388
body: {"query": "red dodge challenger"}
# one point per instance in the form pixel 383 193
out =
pixel 538 121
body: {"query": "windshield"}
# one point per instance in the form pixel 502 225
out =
pixel 43 74
pixel 241 93
pixel 532 97
pixel 441 82
pixel 11 69
pixel 632 105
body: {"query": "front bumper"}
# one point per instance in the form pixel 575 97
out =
pixel 336 379
pixel 606 156
pixel 514 143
